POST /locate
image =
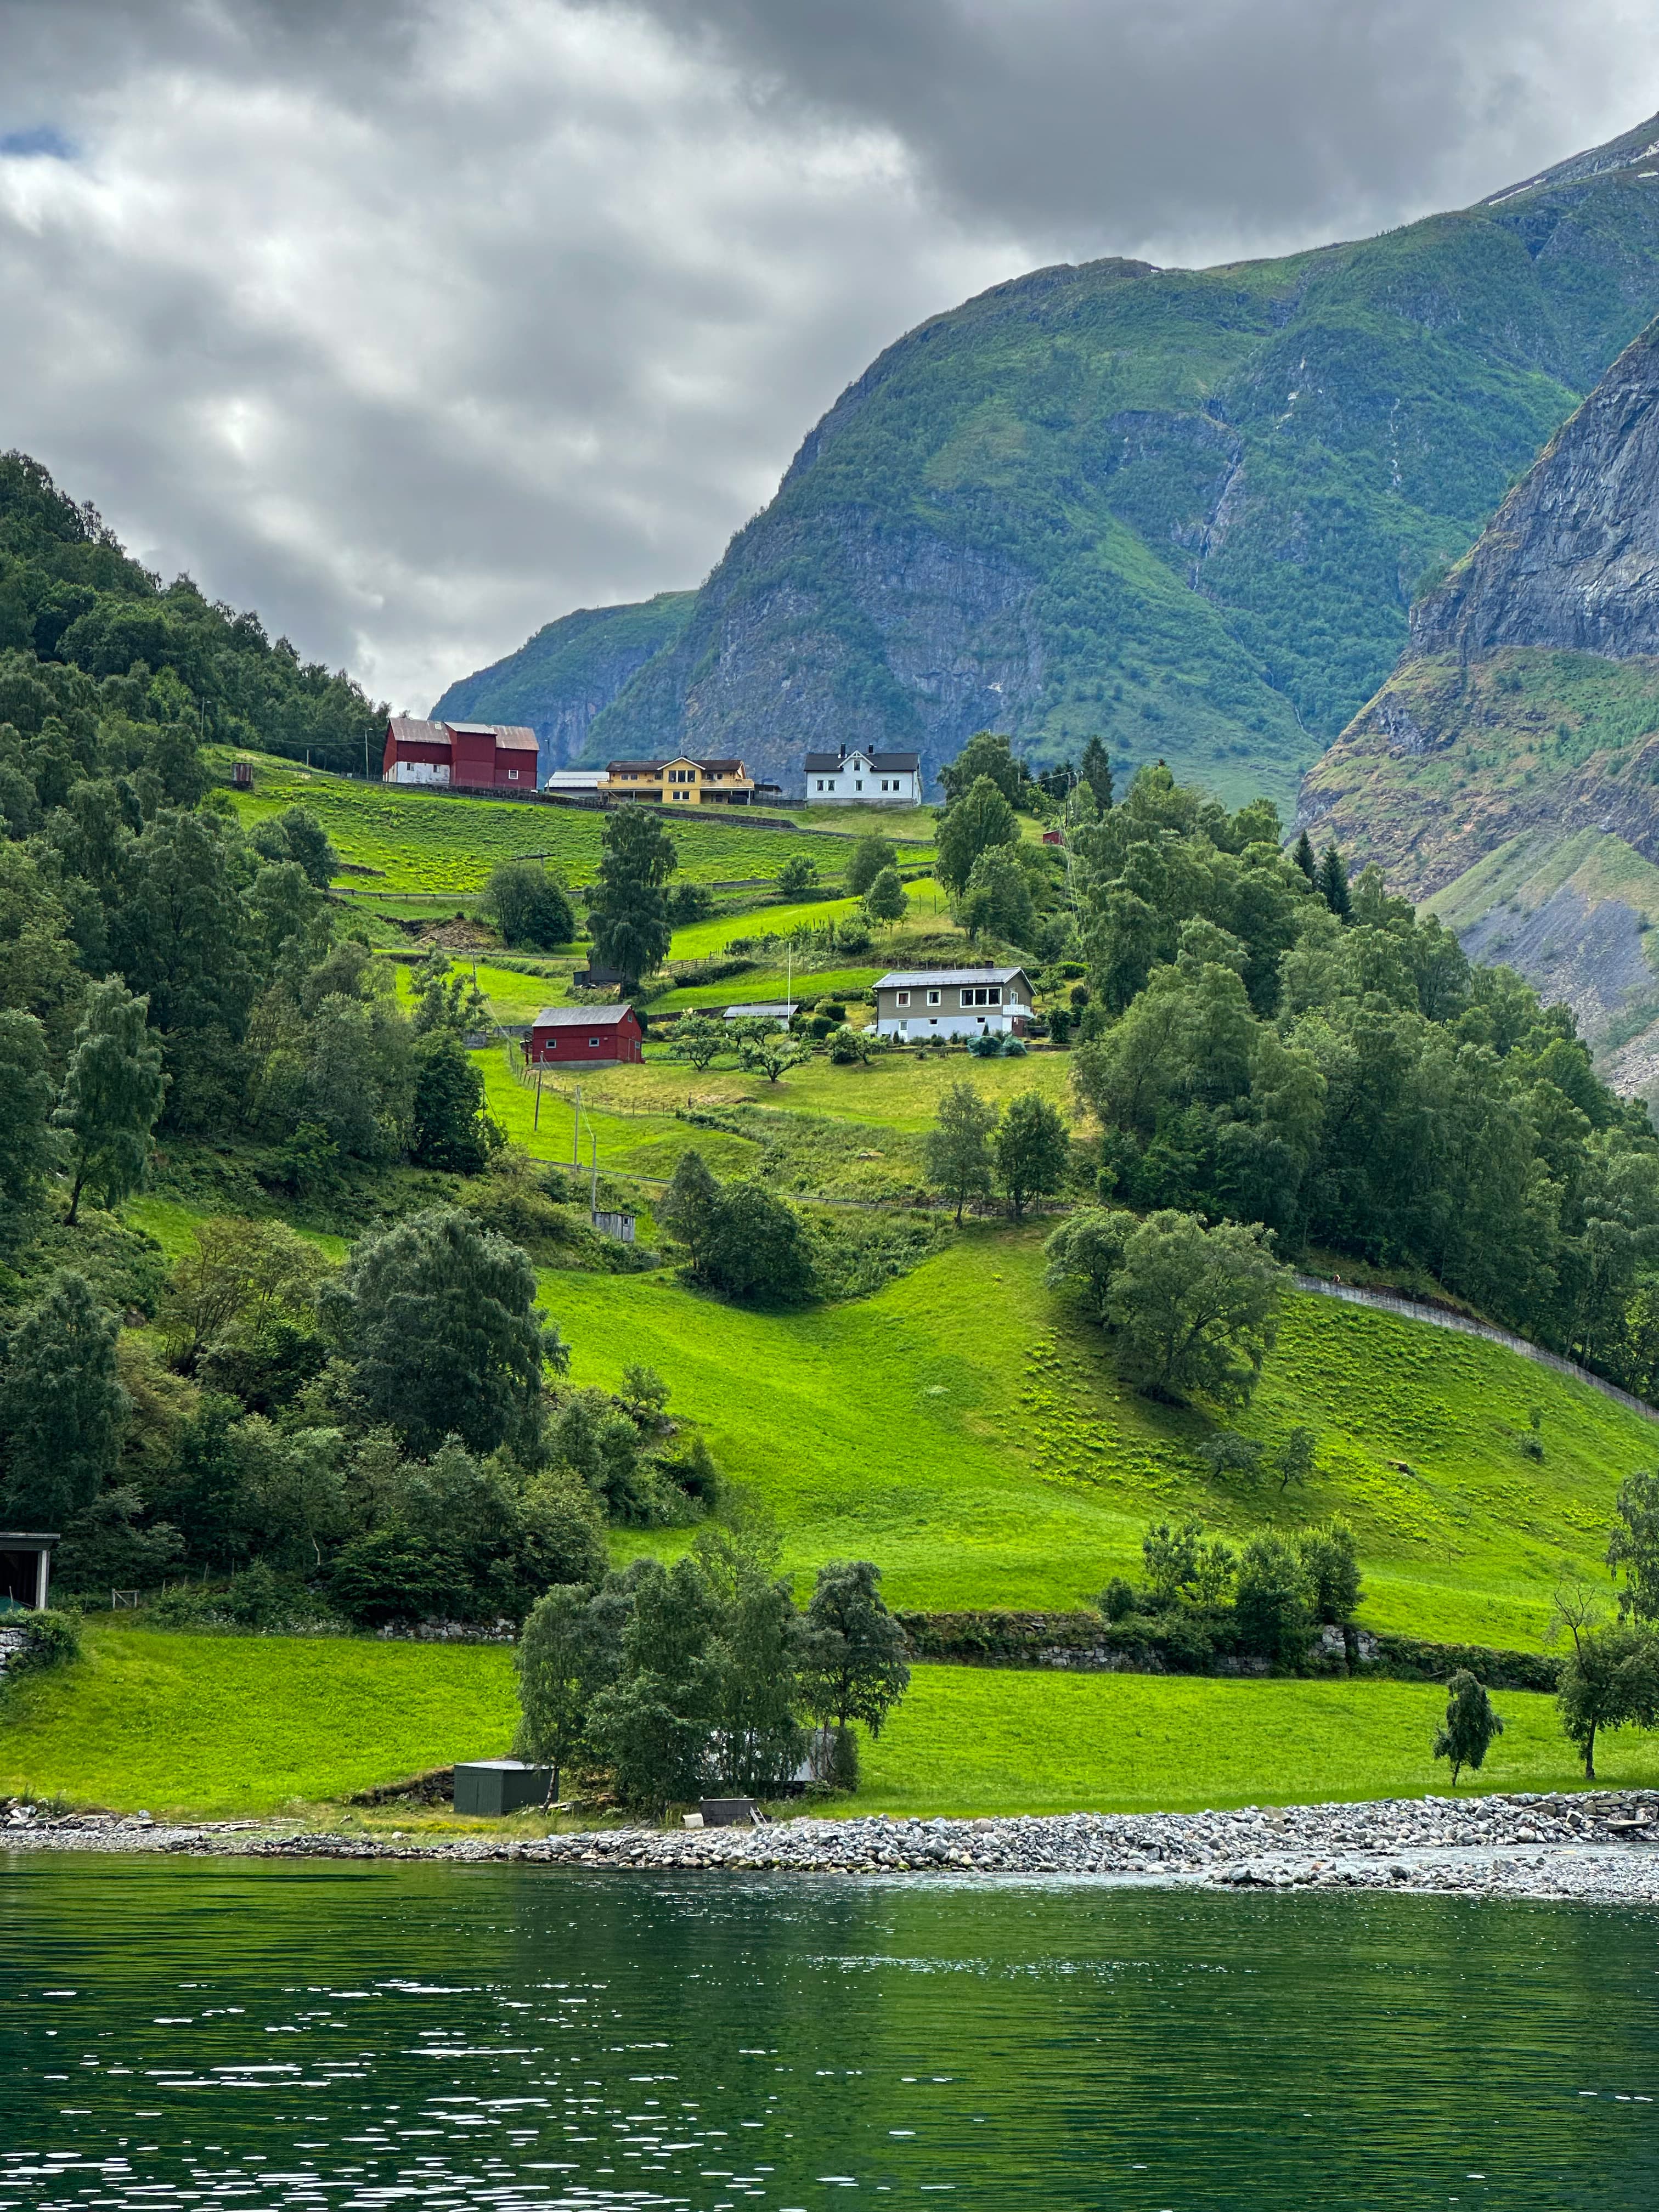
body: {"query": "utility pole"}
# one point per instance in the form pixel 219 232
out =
pixel 535 1118
pixel 576 1132
pixel 593 1201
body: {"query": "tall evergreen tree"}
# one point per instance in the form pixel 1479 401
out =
pixel 1304 857
pixel 687 1208
pixel 1333 884
pixel 112 1094
pixel 1097 773
pixel 629 913
pixel 62 1406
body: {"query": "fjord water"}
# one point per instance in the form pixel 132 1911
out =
pixel 245 2035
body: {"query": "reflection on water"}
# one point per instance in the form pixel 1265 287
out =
pixel 338 2039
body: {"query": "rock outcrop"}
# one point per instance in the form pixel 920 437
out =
pixel 1570 560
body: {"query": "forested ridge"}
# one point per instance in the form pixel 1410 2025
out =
pixel 77 612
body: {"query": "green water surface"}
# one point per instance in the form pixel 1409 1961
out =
pixel 344 2038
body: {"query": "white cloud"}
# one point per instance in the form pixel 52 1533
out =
pixel 414 326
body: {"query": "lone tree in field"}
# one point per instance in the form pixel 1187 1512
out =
pixel 698 1037
pixel 564 1659
pixel 957 1148
pixel 887 901
pixel 1471 1725
pixel 766 1049
pixel 871 857
pixel 1196 1309
pixel 628 916
pixel 1033 1151
pixel 112 1094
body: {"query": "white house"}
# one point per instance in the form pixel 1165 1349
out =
pixel 952 1002
pixel 861 778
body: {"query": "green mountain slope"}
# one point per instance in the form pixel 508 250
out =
pixel 1184 509
pixel 568 672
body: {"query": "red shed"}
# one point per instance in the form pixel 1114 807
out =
pixel 562 1035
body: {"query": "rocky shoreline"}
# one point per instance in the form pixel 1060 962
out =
pixel 1598 1847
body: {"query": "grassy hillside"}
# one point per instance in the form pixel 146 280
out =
pixel 429 842
pixel 224 1726
pixel 964 1430
pixel 1184 509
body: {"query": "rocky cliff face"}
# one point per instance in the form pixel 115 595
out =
pixel 1572 558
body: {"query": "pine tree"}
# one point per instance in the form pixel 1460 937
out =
pixel 1471 1724
pixel 112 1094
pixel 1333 884
pixel 1097 773
pixel 1304 857
pixel 687 1208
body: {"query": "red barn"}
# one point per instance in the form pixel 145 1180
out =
pixel 465 756
pixel 562 1035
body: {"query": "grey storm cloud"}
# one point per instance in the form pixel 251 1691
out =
pixel 414 326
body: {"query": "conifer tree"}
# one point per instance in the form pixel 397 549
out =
pixel 1304 857
pixel 1333 884
pixel 61 1407
pixel 112 1094
pixel 1097 773
pixel 687 1208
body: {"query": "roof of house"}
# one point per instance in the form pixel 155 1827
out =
pixel 576 779
pixel 513 735
pixel 883 763
pixel 410 729
pixel 581 1018
pixel 656 767
pixel 911 979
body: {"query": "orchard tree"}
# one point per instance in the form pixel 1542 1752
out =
pixel 957 1148
pixel 1471 1725
pixel 438 1319
pixel 111 1095
pixel 628 915
pixel 767 1049
pixel 62 1406
pixel 698 1038
pixel 1033 1151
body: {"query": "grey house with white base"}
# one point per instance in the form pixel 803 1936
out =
pixel 923 1003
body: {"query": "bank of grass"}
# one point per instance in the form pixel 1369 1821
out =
pixel 432 841
pixel 964 1428
pixel 228 1726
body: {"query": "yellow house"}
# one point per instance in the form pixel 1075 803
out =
pixel 681 782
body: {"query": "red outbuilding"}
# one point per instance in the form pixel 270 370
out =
pixel 562 1035
pixel 463 755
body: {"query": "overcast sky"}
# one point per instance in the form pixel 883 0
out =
pixel 415 323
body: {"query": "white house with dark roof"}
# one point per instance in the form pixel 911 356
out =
pixel 861 779
pixel 915 1004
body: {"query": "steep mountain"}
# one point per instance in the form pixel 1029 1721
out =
pixel 1509 770
pixel 1186 510
pixel 567 674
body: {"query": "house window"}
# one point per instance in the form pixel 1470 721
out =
pixel 820 783
pixel 900 998
pixel 592 1043
pixel 935 998
pixel 983 995
pixel 513 776
pixel 857 783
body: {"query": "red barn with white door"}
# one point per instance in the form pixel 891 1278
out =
pixel 561 1036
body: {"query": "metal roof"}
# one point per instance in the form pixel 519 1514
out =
pixel 777 1010
pixel 514 735
pixel 581 1018
pixel 656 767
pixel 883 763
pixel 917 978
pixel 410 730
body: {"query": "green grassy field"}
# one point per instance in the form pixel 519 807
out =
pixel 964 1428
pixel 426 842
pixel 765 985
pixel 224 1726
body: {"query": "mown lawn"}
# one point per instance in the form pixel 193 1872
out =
pixel 426 841
pixel 223 1726
pixel 964 1428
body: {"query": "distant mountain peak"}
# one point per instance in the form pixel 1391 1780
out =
pixel 1631 147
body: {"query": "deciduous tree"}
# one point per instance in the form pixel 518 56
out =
pixel 62 1406
pixel 1033 1151
pixel 982 819
pixel 1471 1725
pixel 957 1148
pixel 111 1095
pixel 1195 1309
pixel 628 915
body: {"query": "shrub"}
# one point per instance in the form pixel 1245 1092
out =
pixel 1272 1605
pixel 50 1639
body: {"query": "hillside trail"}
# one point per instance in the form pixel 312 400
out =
pixel 1391 1302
